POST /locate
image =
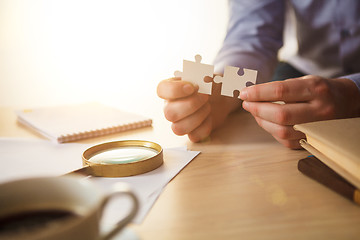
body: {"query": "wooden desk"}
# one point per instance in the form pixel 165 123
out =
pixel 244 185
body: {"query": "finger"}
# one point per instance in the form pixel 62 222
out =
pixel 292 144
pixel 283 114
pixel 172 88
pixel 189 124
pixel 280 131
pixel 201 132
pixel 178 109
pixel 291 90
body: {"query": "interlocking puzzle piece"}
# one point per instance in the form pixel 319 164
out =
pixel 231 81
pixel 195 72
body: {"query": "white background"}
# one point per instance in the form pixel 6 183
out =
pixel 109 51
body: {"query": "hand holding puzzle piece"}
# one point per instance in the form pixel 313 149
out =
pixel 196 72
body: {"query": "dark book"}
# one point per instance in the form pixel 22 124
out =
pixel 317 170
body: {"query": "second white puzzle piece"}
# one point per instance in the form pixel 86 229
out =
pixel 232 81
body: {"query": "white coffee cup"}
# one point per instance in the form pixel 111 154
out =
pixel 78 202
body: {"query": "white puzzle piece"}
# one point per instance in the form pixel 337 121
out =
pixel 195 72
pixel 231 81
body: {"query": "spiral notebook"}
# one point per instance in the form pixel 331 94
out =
pixel 75 122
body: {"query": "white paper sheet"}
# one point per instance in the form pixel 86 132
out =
pixel 24 158
pixel 147 186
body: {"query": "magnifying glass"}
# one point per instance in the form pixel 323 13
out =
pixel 121 158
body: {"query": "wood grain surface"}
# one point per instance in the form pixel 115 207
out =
pixel 243 185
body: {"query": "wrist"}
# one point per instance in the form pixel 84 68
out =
pixel 221 107
pixel 349 90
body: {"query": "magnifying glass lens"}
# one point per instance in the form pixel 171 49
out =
pixel 123 155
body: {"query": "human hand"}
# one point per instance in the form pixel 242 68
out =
pixel 188 110
pixel 307 99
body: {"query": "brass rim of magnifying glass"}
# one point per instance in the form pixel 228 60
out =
pixel 123 169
